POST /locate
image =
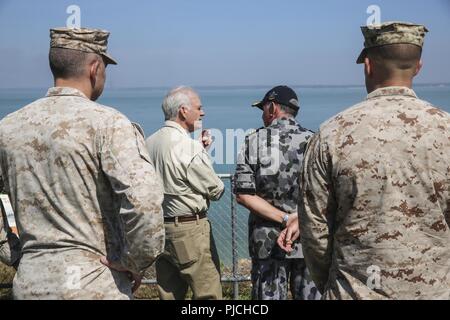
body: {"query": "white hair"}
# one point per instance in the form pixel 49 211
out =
pixel 175 99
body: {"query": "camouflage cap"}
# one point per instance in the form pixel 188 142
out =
pixel 391 33
pixel 83 39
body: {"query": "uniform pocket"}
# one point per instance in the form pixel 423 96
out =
pixel 184 250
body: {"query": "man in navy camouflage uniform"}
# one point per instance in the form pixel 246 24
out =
pixel 266 183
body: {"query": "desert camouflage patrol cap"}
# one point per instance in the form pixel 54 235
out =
pixel 83 39
pixel 391 33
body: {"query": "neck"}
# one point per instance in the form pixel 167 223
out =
pixel 285 115
pixel 80 85
pixel 392 83
pixel 280 116
pixel 182 124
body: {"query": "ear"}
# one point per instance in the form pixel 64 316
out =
pixel 272 108
pixel 418 67
pixel 93 71
pixel 368 71
pixel 182 112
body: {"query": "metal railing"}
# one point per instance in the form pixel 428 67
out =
pixel 236 237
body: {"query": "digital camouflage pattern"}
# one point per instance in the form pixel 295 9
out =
pixel 270 278
pixel 391 33
pixel 375 205
pixel 82 186
pixel 268 166
pixel 82 39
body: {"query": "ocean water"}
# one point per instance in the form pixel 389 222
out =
pixel 227 109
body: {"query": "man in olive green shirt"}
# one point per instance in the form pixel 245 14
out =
pixel 190 258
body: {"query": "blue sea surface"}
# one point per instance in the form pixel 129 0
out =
pixel 227 108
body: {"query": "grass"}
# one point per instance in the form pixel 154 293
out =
pixel 150 292
pixel 6 276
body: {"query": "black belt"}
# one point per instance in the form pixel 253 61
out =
pixel 201 215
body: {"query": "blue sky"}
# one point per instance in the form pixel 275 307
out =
pixel 218 43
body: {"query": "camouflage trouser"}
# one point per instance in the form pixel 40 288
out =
pixel 270 278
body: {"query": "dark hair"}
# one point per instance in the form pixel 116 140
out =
pixel 288 110
pixel 68 63
pixel 402 56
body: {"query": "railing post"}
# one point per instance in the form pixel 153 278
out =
pixel 234 242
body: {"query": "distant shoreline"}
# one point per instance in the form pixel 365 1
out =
pixel 234 87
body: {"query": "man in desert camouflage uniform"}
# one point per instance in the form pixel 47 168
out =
pixel 374 216
pixel 86 198
pixel 266 183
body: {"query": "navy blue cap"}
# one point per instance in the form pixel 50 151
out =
pixel 282 95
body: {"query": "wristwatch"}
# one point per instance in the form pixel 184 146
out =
pixel 285 220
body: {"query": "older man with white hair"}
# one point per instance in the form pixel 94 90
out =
pixel 190 258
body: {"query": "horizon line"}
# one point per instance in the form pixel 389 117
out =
pixel 240 86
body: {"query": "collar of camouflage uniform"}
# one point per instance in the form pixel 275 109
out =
pixel 392 91
pixel 65 91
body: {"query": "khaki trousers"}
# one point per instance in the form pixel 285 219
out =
pixel 190 259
